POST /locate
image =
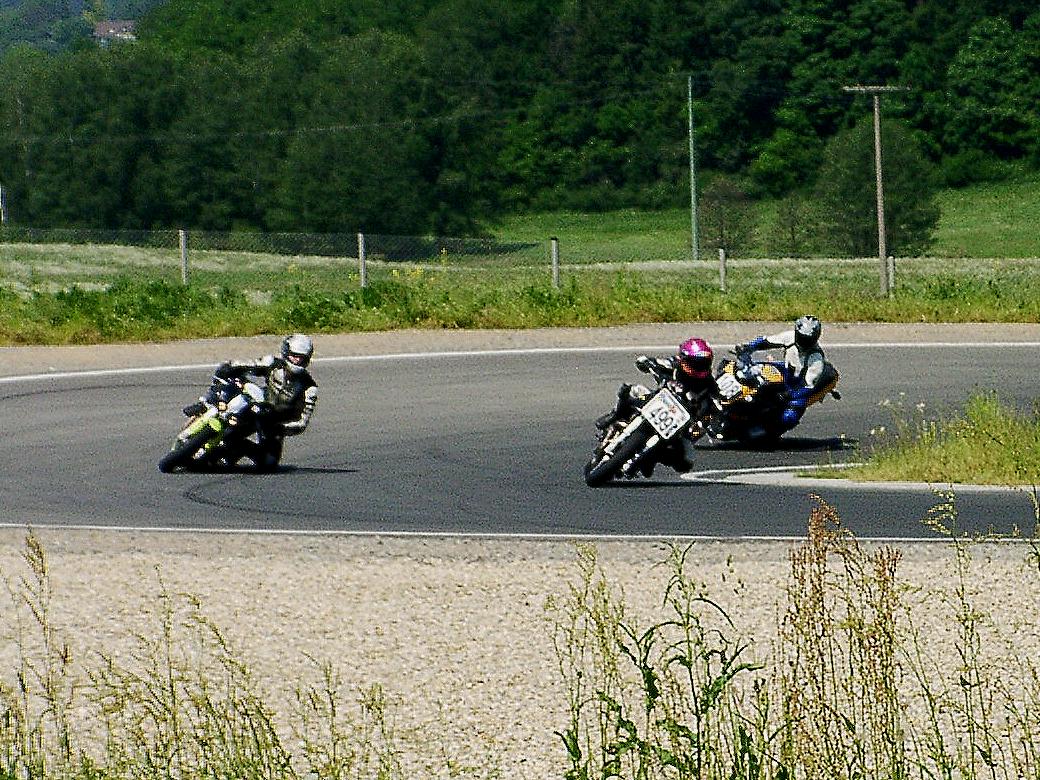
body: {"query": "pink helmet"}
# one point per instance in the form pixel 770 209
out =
pixel 695 356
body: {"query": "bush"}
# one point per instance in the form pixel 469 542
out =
pixel 845 191
pixel 971 167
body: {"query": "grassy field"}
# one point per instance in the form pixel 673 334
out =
pixel 980 221
pixel 992 220
pixel 144 302
pixel 616 268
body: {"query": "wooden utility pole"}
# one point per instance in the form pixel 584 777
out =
pixel 887 283
pixel 695 244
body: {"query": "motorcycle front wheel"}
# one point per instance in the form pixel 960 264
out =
pixel 599 471
pixel 183 451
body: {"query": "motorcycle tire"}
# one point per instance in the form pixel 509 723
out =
pixel 598 473
pixel 183 451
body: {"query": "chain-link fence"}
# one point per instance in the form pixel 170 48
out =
pixel 260 265
pixel 47 260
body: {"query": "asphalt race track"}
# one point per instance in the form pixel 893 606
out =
pixel 482 443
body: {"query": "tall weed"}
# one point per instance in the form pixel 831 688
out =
pixel 852 685
pixel 182 705
pixel 655 701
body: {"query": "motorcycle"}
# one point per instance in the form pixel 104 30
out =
pixel 751 397
pixel 641 436
pixel 229 422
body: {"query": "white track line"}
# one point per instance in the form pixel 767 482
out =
pixel 506 352
pixel 465 535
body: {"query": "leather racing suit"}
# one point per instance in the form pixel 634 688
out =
pixel 806 372
pixel 290 398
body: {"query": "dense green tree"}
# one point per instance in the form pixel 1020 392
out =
pixel 47 24
pixel 97 115
pixel 355 163
pixel 237 27
pixel 845 193
pixel 432 115
pixel 25 75
pixel 789 157
pixel 834 45
pixel 204 151
pixel 278 87
pixel 992 98
pixel 726 216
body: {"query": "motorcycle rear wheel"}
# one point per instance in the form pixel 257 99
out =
pixel 600 472
pixel 183 451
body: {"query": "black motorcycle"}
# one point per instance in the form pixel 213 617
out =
pixel 228 427
pixel 644 433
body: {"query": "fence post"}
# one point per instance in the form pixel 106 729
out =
pixel 182 240
pixel 891 276
pixel 362 264
pixel 3 207
pixel 554 254
pixel 722 269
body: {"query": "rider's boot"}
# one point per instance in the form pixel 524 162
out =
pixel 605 421
pixel 194 410
pixel 716 429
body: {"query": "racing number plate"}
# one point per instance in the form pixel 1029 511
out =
pixel 665 413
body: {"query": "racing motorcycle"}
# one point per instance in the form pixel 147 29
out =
pixel 751 397
pixel 231 415
pixel 642 435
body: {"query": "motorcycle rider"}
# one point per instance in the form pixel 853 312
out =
pixel 290 393
pixel 805 368
pixel 689 371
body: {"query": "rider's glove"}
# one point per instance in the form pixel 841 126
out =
pixel 224 371
pixel 644 363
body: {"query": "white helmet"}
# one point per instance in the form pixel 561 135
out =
pixel 296 352
pixel 807 331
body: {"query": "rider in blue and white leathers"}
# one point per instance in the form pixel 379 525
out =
pixel 805 368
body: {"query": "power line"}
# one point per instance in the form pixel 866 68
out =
pixel 497 115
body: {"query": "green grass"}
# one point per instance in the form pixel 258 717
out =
pixel 990 220
pixel 615 236
pixel 249 301
pixel 986 442
pixel 984 269
pixel 982 220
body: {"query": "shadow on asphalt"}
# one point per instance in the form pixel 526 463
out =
pixel 281 470
pixel 315 470
pixel 641 484
pixel 788 444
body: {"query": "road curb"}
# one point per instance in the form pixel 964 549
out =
pixel 789 476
